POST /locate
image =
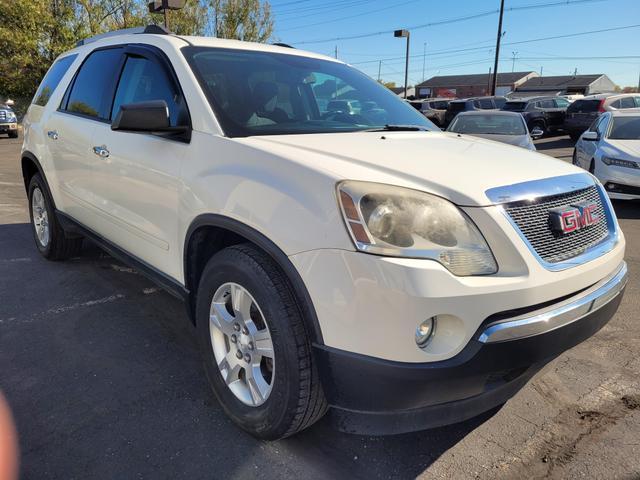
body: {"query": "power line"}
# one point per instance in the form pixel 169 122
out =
pixel 448 21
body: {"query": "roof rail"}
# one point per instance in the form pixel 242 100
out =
pixel 154 29
pixel 280 44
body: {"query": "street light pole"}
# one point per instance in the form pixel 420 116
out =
pixel 495 65
pixel 400 34
pixel 424 59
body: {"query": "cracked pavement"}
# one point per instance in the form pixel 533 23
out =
pixel 103 375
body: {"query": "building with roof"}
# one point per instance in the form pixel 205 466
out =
pixel 565 85
pixel 474 85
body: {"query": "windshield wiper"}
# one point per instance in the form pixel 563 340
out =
pixel 398 128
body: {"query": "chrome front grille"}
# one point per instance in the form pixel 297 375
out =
pixel 3 115
pixel 532 219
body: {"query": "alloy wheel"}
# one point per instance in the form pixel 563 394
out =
pixel 242 344
pixel 40 217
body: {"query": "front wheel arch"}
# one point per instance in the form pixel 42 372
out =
pixel 210 233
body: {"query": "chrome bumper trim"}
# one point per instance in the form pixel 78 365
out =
pixel 560 314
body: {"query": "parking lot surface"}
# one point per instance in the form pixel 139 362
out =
pixel 103 374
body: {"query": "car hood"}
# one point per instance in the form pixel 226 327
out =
pixel 459 168
pixel 628 147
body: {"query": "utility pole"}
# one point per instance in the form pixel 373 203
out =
pixel 401 34
pixel 495 65
pixel 575 72
pixel 424 58
pixel 513 61
pixel 336 51
pixel 489 82
pixel 541 67
pixel 379 68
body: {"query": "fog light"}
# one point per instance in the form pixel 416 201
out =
pixel 425 331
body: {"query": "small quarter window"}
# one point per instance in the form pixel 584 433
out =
pixel 52 79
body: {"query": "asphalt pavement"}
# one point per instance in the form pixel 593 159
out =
pixel 103 374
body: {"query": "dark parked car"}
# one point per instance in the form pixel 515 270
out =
pixel 545 113
pixel 582 112
pixel 471 104
pixel 432 108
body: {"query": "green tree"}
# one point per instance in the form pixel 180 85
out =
pixel 248 20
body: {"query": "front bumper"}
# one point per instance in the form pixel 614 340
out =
pixel 374 396
pixel 619 182
pixel 8 127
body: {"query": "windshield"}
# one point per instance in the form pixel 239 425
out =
pixel 488 124
pixel 625 128
pixel 266 93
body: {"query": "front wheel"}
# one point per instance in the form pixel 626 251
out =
pixel 256 352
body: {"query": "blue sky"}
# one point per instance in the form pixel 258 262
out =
pixel 300 21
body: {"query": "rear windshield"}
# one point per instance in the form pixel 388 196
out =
pixel 488 124
pixel 625 128
pixel 584 106
pixel 515 106
pixel 456 106
pixel 439 105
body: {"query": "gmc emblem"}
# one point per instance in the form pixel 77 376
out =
pixel 571 218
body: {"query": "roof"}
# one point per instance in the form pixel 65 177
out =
pixel 559 82
pixel 627 112
pixel 507 78
pixel 533 98
pixel 469 99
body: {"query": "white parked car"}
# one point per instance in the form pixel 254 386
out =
pixel 362 264
pixel 610 150
pixel 499 126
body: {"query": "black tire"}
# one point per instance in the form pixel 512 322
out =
pixel 296 400
pixel 59 246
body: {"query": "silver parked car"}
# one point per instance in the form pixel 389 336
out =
pixel 501 126
pixel 610 149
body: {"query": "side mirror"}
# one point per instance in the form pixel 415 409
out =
pixel 537 133
pixel 150 117
pixel 591 136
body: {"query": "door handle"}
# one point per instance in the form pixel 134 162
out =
pixel 101 151
pixel 52 134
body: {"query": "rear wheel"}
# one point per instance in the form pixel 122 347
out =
pixel 256 352
pixel 539 124
pixel 47 232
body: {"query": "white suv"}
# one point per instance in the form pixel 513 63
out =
pixel 356 261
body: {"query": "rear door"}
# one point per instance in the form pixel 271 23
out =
pixel 84 106
pixel 583 112
pixel 138 180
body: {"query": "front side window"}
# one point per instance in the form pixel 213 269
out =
pixel 143 80
pixel 488 124
pixel 625 128
pixel 264 93
pixel 91 92
pixel 52 79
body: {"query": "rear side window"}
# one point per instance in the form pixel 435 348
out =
pixel 627 102
pixel 514 106
pixel 92 89
pixel 52 79
pixel 143 80
pixel 561 102
pixel 584 106
pixel 547 104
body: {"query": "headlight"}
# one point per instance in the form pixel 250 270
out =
pixel 400 222
pixel 619 163
pixel 12 117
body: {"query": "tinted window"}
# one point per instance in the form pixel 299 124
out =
pixel 486 104
pixel 499 102
pixel 488 124
pixel 456 106
pixel 584 106
pixel 52 79
pixel 602 127
pixel 91 91
pixel 439 105
pixel 515 106
pixel 625 128
pixel 562 102
pixel 143 80
pixel 264 93
pixel 615 104
pixel 627 102
pixel 547 104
